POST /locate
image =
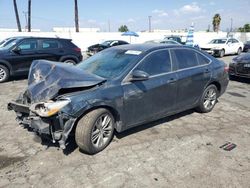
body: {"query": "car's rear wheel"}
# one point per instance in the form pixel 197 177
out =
pixel 95 130
pixel 239 51
pixel 70 61
pixel 4 73
pixel 222 53
pixel 208 99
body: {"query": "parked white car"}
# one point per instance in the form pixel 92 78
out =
pixel 223 46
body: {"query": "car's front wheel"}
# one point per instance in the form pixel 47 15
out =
pixel 95 130
pixel 4 73
pixel 208 99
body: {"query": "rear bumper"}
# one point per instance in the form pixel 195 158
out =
pixel 57 127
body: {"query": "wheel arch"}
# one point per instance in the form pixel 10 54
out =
pixel 111 109
pixel 217 84
pixel 7 65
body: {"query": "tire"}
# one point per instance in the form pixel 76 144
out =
pixel 208 99
pixel 4 73
pixel 91 135
pixel 239 51
pixel 222 53
pixel 69 61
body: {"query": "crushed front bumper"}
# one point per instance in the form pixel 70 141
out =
pixel 57 127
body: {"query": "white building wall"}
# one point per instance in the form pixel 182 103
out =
pixel 83 40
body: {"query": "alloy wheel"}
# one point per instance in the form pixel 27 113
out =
pixel 210 99
pixel 102 131
pixel 3 74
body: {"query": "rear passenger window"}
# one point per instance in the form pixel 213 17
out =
pixel 184 58
pixel 202 59
pixel 50 44
pixel 156 63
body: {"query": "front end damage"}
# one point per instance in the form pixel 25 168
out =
pixel 57 127
pixel 41 106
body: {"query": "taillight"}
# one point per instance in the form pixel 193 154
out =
pixel 226 69
pixel 77 49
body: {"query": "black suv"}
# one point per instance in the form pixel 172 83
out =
pixel 17 56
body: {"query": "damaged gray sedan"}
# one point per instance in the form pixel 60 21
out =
pixel 117 89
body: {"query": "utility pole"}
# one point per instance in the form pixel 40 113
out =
pixel 149 23
pixel 109 25
pixel 26 20
pixel 76 17
pixel 231 27
pixel 29 16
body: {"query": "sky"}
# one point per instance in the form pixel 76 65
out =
pixel 165 14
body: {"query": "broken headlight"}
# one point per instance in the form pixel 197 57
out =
pixel 46 109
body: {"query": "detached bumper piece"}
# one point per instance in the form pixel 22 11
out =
pixel 57 127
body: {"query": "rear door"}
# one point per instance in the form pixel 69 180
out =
pixel 193 74
pixel 152 98
pixel 50 49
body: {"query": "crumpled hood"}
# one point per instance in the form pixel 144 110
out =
pixel 47 79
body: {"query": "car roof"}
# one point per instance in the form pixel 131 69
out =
pixel 148 46
pixel 33 37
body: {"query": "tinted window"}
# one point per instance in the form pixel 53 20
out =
pixel 202 59
pixel 184 58
pixel 156 63
pixel 28 45
pixel 50 44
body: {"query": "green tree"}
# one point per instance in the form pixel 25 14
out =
pixel 216 22
pixel 17 16
pixel 123 28
pixel 245 28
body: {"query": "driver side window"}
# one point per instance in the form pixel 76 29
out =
pixel 28 45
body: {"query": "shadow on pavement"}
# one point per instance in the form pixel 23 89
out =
pixel 240 79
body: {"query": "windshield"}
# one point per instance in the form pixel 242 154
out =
pixel 8 44
pixel 107 43
pixel 218 41
pixel 109 63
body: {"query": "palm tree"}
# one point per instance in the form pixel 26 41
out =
pixel 17 17
pixel 76 17
pixel 29 16
pixel 216 22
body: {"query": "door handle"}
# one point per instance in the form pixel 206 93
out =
pixel 207 71
pixel 171 80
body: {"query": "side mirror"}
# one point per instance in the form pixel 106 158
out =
pixel 16 50
pixel 139 75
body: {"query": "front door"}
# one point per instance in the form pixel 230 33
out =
pixel 22 60
pixel 153 98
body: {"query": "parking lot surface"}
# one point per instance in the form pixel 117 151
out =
pixel 177 151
